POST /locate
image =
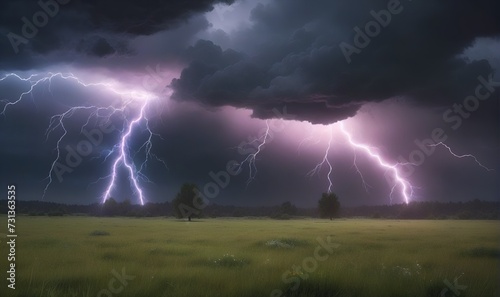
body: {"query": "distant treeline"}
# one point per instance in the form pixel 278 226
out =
pixel 475 209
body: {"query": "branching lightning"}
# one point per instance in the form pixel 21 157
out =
pixel 122 159
pixel 355 165
pixel 133 109
pixel 310 140
pixel 120 152
pixel 398 181
pixel 404 185
pixel 325 159
pixel 461 156
pixel 251 158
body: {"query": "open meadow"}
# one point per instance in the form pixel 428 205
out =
pixel 88 256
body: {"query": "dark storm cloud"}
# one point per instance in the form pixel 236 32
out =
pixel 292 55
pixel 32 28
pixel 289 59
pixel 144 17
pixel 99 47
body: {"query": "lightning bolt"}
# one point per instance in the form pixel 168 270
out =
pixel 309 140
pixel 461 156
pixel 122 159
pixel 404 185
pixel 355 165
pixel 325 159
pixel 57 121
pixel 122 151
pixel 251 158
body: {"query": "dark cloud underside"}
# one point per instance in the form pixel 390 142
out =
pixel 291 55
pixel 70 23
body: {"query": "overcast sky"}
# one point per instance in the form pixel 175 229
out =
pixel 399 76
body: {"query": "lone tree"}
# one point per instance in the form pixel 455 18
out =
pixel 110 207
pixel 328 205
pixel 186 202
pixel 288 209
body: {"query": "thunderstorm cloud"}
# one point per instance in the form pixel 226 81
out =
pixel 395 70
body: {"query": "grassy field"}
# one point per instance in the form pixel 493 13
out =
pixel 76 256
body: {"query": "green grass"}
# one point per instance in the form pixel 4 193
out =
pixel 75 256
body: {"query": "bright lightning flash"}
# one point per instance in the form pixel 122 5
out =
pixel 355 165
pixel 461 156
pixel 120 152
pixel 325 159
pixel 251 158
pixel 405 186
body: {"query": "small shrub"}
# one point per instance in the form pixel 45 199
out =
pixel 282 216
pixel 230 261
pixel 110 256
pixel 482 252
pixel 99 233
pixel 285 243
